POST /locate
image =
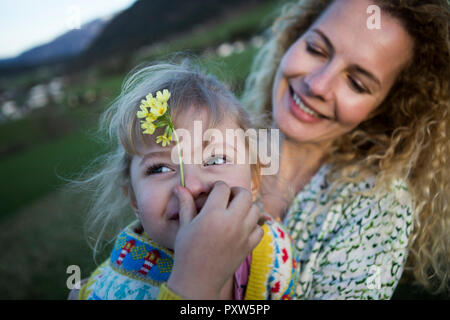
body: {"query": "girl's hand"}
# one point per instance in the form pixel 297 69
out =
pixel 210 246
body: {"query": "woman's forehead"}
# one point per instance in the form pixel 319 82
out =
pixel 383 51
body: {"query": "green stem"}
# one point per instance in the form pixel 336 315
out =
pixel 179 156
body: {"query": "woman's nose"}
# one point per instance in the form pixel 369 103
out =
pixel 319 83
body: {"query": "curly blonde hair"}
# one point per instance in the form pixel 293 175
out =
pixel 408 135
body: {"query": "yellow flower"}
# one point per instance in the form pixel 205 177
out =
pixel 149 117
pixel 143 112
pixel 148 126
pixel 163 97
pixel 159 109
pixel 148 102
pixel 163 139
pixel 152 108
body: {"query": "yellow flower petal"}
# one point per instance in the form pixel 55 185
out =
pixel 158 110
pixel 166 95
pixel 163 139
pixel 163 96
pixel 148 126
pixel 142 114
pixel 150 117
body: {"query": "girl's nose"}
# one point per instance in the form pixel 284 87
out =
pixel 195 183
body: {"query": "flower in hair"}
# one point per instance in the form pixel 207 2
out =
pixel 154 113
pixel 163 139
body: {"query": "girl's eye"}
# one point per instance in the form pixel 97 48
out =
pixel 158 168
pixel 216 161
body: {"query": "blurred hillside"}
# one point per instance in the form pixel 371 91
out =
pixel 104 48
pixel 148 22
pixel 57 51
pixel 143 23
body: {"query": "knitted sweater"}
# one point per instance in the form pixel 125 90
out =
pixel 351 246
pixel 138 268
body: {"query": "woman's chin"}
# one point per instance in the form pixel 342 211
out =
pixel 292 129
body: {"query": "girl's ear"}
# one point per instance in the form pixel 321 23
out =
pixel 129 193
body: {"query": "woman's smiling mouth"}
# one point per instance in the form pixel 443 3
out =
pixel 301 111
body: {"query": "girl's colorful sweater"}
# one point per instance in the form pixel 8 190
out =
pixel 138 268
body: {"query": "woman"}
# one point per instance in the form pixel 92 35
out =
pixel 364 117
pixel 363 101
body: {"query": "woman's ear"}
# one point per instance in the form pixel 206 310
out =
pixel 129 193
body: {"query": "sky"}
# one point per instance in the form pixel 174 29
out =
pixel 25 24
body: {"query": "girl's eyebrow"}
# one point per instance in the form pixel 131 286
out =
pixel 156 153
pixel 357 67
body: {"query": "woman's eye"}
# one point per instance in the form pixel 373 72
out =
pixel 216 161
pixel 356 86
pixel 314 50
pixel 158 168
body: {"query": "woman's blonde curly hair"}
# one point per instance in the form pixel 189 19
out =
pixel 408 135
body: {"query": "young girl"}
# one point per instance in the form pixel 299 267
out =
pixel 142 174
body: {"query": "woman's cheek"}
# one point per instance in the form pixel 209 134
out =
pixel 355 109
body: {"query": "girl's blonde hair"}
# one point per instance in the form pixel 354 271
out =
pixel 191 91
pixel 408 135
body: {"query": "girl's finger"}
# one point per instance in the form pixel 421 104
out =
pixel 187 210
pixel 241 201
pixel 255 237
pixel 218 197
pixel 252 217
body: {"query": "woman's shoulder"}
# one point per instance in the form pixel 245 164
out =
pixel 336 207
pixel 345 232
pixel 322 189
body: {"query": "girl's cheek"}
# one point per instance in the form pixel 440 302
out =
pixel 241 177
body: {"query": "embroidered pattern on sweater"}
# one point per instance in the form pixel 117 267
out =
pixel 137 267
pixel 140 258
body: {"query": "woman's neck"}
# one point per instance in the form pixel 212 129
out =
pixel 298 163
